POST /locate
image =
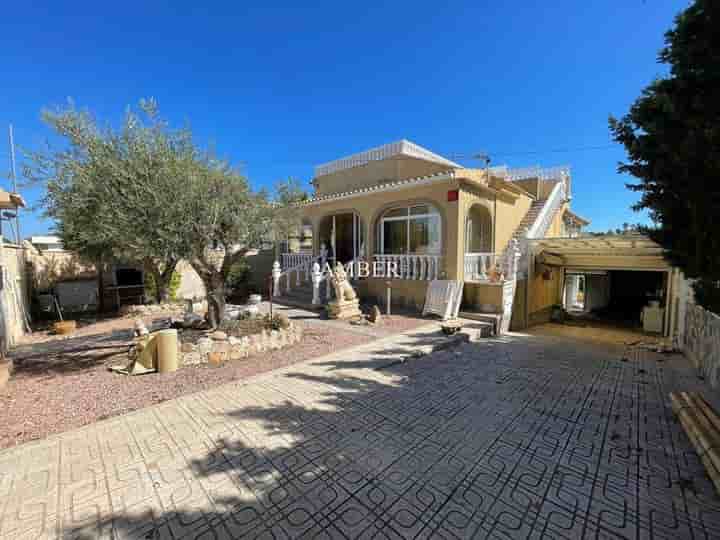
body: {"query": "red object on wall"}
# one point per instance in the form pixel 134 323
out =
pixel 452 195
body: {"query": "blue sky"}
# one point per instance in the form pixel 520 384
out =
pixel 279 88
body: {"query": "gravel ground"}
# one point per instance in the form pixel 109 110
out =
pixel 63 383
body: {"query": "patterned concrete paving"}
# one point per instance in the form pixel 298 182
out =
pixel 523 437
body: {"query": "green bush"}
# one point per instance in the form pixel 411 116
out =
pixel 707 294
pixel 238 275
pixel 151 288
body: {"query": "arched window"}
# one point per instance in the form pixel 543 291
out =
pixel 478 230
pixel 410 230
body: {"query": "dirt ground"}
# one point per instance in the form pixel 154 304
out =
pixel 60 383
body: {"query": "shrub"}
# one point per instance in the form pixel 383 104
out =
pixel 150 287
pixel 238 275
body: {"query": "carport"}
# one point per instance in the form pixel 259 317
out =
pixel 617 279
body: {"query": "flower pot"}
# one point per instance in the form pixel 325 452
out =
pixel 65 327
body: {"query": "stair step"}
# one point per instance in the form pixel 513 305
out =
pixel 492 319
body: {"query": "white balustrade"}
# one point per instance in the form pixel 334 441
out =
pixel 276 273
pixel 415 267
pixel 302 260
pixel 478 265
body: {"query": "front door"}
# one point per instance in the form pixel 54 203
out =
pixel 342 236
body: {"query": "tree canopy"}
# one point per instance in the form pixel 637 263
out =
pixel 146 193
pixel 672 137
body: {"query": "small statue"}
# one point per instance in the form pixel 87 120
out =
pixel 346 304
pixel 343 289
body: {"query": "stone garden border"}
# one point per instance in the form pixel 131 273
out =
pixel 218 347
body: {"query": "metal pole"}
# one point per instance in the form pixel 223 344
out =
pixel 13 173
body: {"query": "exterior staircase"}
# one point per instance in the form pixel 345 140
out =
pixel 500 321
pixel 527 221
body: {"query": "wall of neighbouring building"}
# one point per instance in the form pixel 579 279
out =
pixel 260 264
pixel 191 286
pixel 701 342
pixel 14 299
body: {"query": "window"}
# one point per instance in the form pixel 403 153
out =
pixel 413 230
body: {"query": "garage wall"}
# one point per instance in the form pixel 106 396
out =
pixel 544 293
pixel 597 293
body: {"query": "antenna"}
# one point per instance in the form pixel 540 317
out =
pixel 13 177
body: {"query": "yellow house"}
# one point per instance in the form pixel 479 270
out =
pixel 433 219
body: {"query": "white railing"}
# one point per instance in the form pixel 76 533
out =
pixel 547 213
pixel 385 151
pixel 478 266
pixel 294 260
pixel 416 267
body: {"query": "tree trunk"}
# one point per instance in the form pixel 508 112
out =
pixel 216 304
pixel 162 280
pixel 100 285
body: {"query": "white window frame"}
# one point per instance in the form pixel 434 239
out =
pixel 408 217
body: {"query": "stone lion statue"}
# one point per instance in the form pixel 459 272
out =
pixel 343 289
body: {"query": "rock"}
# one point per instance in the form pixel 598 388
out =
pixel 217 359
pixel 221 346
pixel 237 354
pixel 219 336
pixel 232 314
pixel 192 320
pixel 234 341
pixel 187 347
pixel 204 345
pixel 251 311
pixel 191 358
pixel 283 320
pixel 375 315
pixel 6 367
pixel 140 328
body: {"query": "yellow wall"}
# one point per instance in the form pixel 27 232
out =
pixel 556 227
pixel 544 293
pixel 404 292
pixel 510 212
pixel 374 173
pixel 509 215
pixel 483 297
pixel 371 206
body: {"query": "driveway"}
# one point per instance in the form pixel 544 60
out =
pixel 519 437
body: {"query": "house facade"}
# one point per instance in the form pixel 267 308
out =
pixel 432 218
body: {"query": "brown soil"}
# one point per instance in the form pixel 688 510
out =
pixel 61 383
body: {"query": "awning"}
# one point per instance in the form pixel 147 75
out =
pixel 609 252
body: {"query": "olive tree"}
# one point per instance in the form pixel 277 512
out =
pixel 111 192
pixel 226 220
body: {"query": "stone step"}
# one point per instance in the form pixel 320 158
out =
pixel 491 319
pixel 298 302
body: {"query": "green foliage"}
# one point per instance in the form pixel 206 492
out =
pixel 151 286
pixel 707 294
pixel 238 275
pixel 287 216
pixel 672 135
pixel 146 193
